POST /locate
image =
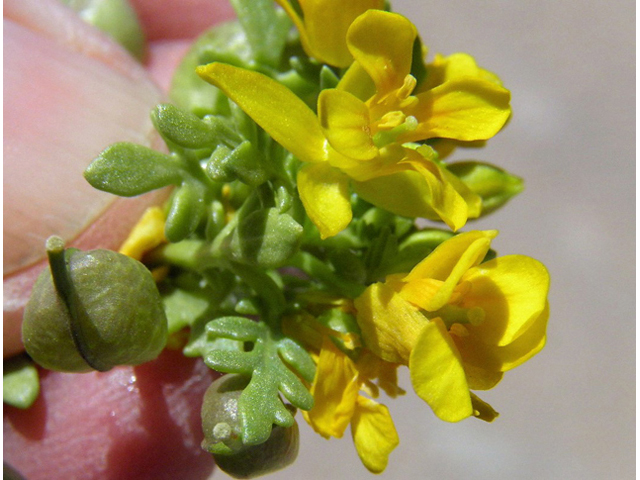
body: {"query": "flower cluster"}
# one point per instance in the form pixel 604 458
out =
pixel 289 253
pixel 458 321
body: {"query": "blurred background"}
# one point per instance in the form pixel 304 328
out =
pixel 569 412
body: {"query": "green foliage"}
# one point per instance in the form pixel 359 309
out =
pixel 127 170
pixel 225 43
pixel 265 27
pixel 266 238
pixel 270 360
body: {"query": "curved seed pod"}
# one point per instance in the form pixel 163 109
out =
pixel 222 426
pixel 93 310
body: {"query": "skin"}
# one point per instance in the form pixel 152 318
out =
pixel 69 93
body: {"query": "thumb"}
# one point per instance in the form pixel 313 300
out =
pixel 69 93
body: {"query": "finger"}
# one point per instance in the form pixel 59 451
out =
pixel 180 19
pixel 129 423
pixel 163 57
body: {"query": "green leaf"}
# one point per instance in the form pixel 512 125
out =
pixel 269 292
pixel 266 29
pixel 244 163
pixel 297 358
pixel 260 405
pixel 227 43
pixel 187 130
pixel 127 169
pixel 186 212
pixel 184 307
pixel 266 238
pixel 328 78
pixel 20 382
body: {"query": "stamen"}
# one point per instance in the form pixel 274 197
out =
pixel 459 330
pixel 391 120
pixel 408 85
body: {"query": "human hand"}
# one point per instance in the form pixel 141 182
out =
pixel 70 92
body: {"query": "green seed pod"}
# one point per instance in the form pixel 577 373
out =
pixel 93 310
pixel 222 428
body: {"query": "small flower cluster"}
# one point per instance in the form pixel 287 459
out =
pixel 289 253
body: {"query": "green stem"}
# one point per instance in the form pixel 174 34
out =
pixel 65 288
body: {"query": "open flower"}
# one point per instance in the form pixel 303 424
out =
pixel 342 375
pixel 323 26
pixel 458 323
pixel 365 131
pixel 338 403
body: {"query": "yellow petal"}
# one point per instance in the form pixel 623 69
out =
pixel 446 200
pixel 146 235
pixel 466 109
pixel 324 192
pixel 481 379
pixel 437 374
pixel 345 121
pixel 500 359
pixel 423 196
pixel 389 324
pixel 357 82
pixel 473 200
pixel 374 434
pixel 325 27
pixel 382 43
pixel 389 160
pixel 452 67
pixel 335 390
pixel 440 263
pixel 273 106
pixel 448 263
pixel 512 290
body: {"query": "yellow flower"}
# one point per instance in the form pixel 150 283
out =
pixel 458 323
pixel 364 133
pixel 338 403
pixel 147 234
pixel 323 26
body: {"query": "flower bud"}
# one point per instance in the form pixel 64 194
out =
pixel 93 310
pixel 494 185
